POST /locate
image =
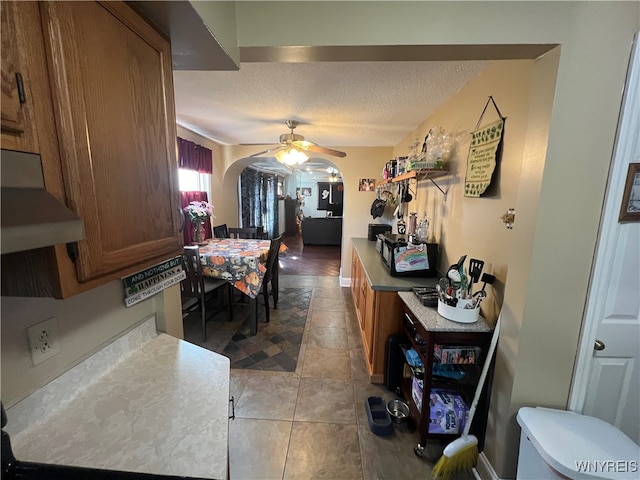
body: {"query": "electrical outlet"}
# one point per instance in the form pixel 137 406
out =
pixel 43 340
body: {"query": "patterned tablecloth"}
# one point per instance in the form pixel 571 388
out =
pixel 239 261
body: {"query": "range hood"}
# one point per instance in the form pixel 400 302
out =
pixel 32 217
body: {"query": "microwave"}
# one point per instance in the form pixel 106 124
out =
pixel 407 260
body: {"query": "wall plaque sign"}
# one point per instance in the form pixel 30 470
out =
pixel 146 283
pixel 483 157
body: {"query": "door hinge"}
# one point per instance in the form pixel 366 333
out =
pixel 72 251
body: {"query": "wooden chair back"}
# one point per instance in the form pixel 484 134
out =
pixel 221 231
pixel 250 232
pixel 272 258
pixel 193 285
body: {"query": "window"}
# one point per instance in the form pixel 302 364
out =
pixel 192 181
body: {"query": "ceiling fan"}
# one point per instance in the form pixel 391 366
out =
pixel 292 147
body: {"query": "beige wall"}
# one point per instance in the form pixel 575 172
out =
pixel 86 322
pixel 472 226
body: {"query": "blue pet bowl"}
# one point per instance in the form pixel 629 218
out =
pixel 379 419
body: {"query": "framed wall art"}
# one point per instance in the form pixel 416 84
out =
pixel 366 185
pixel 630 208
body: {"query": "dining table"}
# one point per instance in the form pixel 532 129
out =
pixel 241 262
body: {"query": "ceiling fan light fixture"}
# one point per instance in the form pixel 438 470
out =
pixel 291 156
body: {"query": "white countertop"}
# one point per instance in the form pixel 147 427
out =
pixel 146 403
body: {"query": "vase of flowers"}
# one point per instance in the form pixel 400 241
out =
pixel 198 213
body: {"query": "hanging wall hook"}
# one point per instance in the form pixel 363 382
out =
pixel 509 218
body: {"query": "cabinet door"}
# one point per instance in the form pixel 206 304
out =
pixel 355 276
pixel 15 104
pixel 113 102
pixel 369 320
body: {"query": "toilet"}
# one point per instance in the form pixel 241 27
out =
pixel 556 444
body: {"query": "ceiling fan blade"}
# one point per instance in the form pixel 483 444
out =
pixel 271 150
pixel 312 147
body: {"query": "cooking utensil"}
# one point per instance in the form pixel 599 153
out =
pixel 487 279
pixel 445 287
pixel 454 275
pixel 475 269
pixel 407 196
pixel 460 262
pixel 464 283
pixel 451 301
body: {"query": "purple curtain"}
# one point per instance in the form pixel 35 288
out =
pixel 192 156
pixel 187 198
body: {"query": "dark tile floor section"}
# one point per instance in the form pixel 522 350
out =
pixel 277 343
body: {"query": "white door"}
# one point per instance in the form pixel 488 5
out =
pixel 607 377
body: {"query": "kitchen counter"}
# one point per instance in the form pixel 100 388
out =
pixel 433 322
pixel 146 403
pixel 378 273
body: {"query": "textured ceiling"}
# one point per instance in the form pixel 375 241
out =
pixel 337 103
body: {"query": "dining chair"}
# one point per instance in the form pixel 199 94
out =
pixel 196 289
pixel 250 232
pixel 221 231
pixel 262 234
pixel 271 276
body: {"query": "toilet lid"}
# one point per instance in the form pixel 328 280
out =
pixel 579 445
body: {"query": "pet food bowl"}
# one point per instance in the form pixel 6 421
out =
pixel 379 419
pixel 398 410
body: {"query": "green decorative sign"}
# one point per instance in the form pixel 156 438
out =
pixel 145 283
pixel 481 162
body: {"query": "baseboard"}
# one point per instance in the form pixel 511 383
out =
pixel 344 282
pixel 484 469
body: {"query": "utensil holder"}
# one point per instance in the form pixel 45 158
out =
pixel 460 315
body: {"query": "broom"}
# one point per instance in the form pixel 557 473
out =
pixel 462 453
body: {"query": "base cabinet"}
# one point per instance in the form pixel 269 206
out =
pixel 379 315
pixel 449 372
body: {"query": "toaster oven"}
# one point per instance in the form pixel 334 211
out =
pixel 407 260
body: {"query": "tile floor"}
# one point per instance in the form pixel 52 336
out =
pixel 276 346
pixel 311 423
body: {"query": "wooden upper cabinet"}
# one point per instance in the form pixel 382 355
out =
pixel 16 121
pixel 11 105
pixel 113 103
